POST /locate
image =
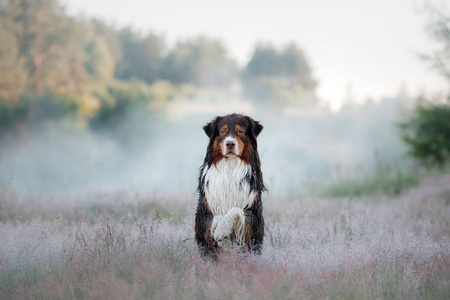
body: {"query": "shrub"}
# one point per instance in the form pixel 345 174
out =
pixel 117 102
pixel 35 107
pixel 427 133
pixel 11 114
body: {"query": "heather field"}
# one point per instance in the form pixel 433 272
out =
pixel 140 246
pixel 103 107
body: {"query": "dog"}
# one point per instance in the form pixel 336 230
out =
pixel 230 185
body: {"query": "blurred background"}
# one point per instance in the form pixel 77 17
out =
pixel 112 95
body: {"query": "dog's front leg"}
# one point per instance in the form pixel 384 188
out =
pixel 203 234
pixel 224 226
pixel 254 226
pixel 216 220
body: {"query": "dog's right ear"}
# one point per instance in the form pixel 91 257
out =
pixel 210 128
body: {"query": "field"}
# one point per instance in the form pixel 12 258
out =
pixel 101 140
pixel 140 246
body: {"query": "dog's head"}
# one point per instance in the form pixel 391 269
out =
pixel 232 135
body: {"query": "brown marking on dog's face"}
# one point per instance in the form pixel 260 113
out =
pixel 217 151
pixel 240 131
pixel 224 130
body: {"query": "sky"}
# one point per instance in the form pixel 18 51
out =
pixel 358 49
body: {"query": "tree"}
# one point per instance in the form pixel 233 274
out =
pixel 439 29
pixel 264 63
pixel 279 75
pixel 427 131
pixel 102 50
pixel 201 61
pixel 48 44
pixel 13 76
pixel 142 56
pixel 295 67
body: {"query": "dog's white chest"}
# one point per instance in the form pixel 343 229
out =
pixel 225 185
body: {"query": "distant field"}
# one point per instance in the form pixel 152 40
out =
pixel 135 246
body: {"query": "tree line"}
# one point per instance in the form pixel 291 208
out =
pixel 54 65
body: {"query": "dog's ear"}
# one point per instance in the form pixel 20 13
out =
pixel 256 128
pixel 210 128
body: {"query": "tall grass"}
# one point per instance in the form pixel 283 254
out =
pixel 385 178
pixel 314 249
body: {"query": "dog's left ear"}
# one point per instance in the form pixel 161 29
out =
pixel 210 128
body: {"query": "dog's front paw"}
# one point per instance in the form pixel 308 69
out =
pixel 221 232
pixel 215 222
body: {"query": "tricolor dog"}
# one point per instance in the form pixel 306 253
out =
pixel 230 186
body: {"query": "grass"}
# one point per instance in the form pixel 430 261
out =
pixel 142 247
pixel 385 179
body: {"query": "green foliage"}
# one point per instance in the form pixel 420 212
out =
pixel 142 56
pixel 92 68
pixel 48 106
pixel 273 74
pixel 35 107
pixel 439 30
pixel 13 76
pixel 117 102
pixel 99 62
pixel 264 62
pixel 48 42
pixel 11 115
pixel 201 61
pixel 127 111
pixel 427 133
pixel 290 63
pixel 387 179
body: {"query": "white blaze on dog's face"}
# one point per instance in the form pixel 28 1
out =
pixel 230 147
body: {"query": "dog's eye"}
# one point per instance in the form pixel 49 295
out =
pixel 241 132
pixel 223 131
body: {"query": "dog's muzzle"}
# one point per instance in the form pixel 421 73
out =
pixel 230 146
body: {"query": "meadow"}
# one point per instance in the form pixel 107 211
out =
pixel 122 245
pixel 101 139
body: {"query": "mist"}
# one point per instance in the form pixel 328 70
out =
pixel 107 108
pixel 162 152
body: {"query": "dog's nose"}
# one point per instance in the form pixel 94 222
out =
pixel 230 144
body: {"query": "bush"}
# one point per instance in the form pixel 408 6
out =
pixel 118 103
pixel 11 114
pixel 35 107
pixel 427 133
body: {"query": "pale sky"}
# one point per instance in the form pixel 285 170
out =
pixel 368 47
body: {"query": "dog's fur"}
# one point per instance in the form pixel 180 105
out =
pixel 230 187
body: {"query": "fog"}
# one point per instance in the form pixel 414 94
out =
pixel 162 151
pixel 102 106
